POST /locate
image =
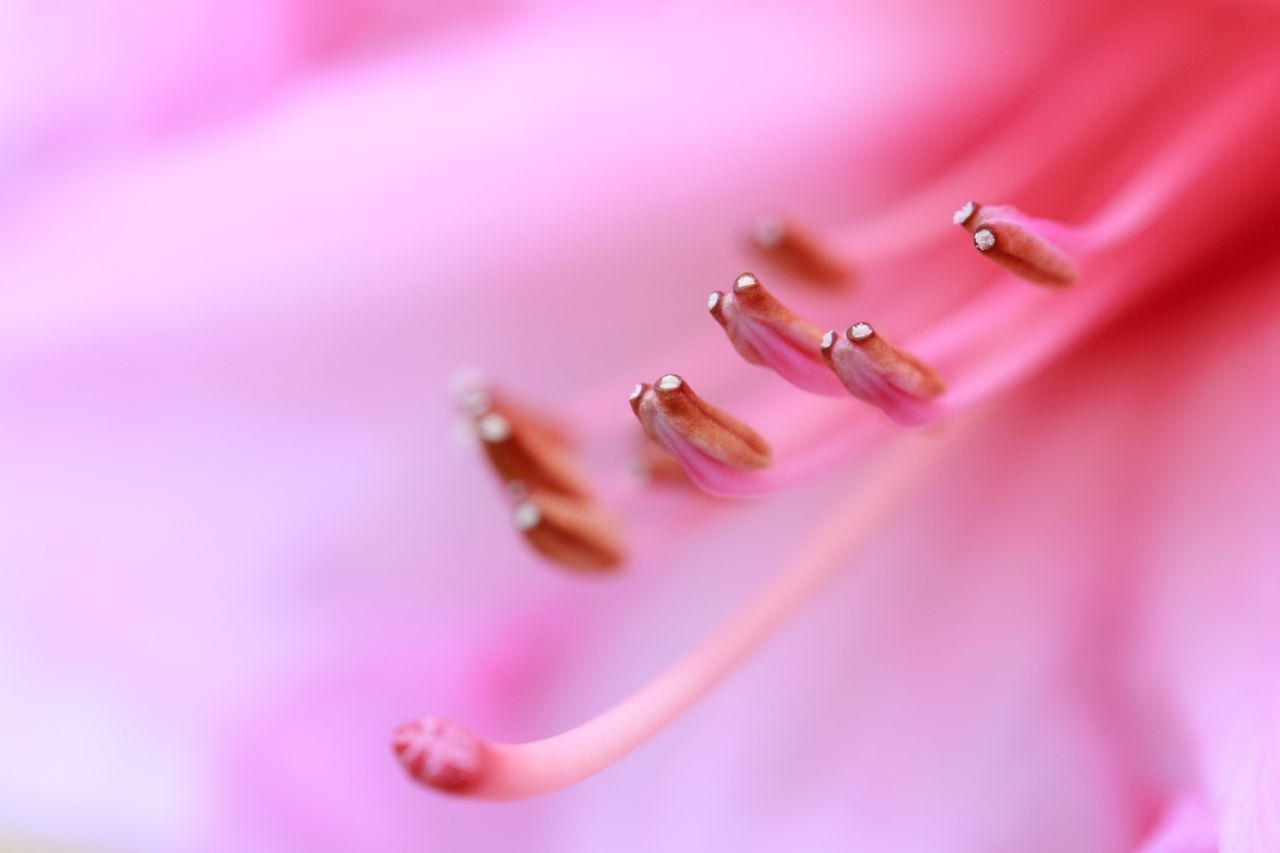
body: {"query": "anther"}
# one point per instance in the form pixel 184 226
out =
pixel 828 340
pixel 573 533
pixel 767 333
pixel 1030 248
pixel 792 250
pixel 697 433
pixel 527 448
pixel 876 372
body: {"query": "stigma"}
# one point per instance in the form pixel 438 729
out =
pixel 439 754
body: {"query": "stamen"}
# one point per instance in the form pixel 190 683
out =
pixel 767 333
pixel 706 441
pixel 1020 243
pixel 518 771
pixel 795 252
pixel 574 533
pixel 875 371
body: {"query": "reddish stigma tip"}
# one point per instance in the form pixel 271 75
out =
pixel 439 754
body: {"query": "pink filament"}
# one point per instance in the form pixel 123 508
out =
pixel 518 771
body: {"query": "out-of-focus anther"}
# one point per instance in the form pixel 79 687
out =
pixel 877 372
pixel 1028 247
pixel 654 464
pixel 767 333
pixel 695 432
pixel 521 445
pixel 794 251
pixel 574 533
pixel 440 754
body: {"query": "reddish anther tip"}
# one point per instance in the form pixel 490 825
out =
pixel 573 533
pixel 877 372
pixel 794 251
pixel 767 333
pixel 1023 245
pixel 697 434
pixel 440 754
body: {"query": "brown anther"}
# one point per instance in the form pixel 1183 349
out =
pixel 903 369
pixel 529 448
pixel 877 372
pixel 751 299
pixel 674 416
pixel 573 533
pixel 792 250
pixel 1014 240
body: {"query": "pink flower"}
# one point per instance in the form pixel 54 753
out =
pixel 1016 511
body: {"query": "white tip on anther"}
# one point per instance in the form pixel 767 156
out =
pixel 526 515
pixel 493 428
pixel 860 331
